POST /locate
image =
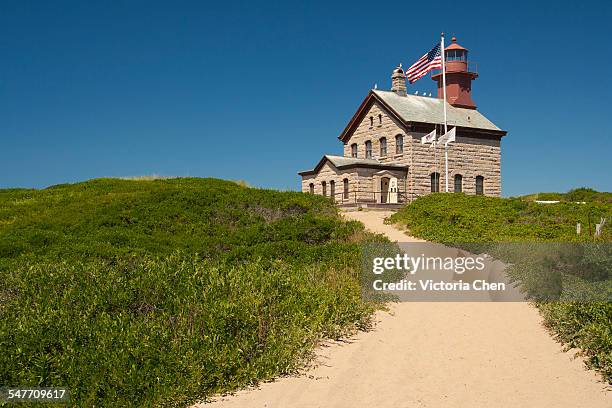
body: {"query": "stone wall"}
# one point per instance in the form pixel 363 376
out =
pixel 388 127
pixel 330 173
pixel 470 156
pixel 362 182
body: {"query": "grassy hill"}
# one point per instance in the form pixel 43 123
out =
pixel 157 292
pixel 576 195
pixel 459 218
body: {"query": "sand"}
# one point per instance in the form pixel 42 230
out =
pixel 459 355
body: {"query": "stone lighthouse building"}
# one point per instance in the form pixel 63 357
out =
pixel 384 161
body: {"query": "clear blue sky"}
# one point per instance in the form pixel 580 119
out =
pixel 97 89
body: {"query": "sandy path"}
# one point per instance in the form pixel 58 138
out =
pixel 459 355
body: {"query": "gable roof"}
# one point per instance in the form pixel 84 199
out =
pixel 341 162
pixel 421 109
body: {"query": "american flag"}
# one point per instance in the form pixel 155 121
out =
pixel 429 61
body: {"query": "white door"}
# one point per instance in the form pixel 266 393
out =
pixel 393 191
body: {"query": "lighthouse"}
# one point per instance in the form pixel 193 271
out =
pixel 459 77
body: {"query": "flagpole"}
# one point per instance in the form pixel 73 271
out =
pixel 436 159
pixel 444 103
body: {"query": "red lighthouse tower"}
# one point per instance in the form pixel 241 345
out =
pixel 458 77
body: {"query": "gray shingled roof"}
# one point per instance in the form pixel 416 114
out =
pixel 412 108
pixel 341 161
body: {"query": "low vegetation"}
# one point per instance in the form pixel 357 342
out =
pixel 465 218
pixel 577 195
pixel 459 218
pixel 159 292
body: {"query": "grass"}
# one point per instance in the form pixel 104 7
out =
pixel 160 292
pixel 459 218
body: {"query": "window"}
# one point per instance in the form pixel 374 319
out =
pixel 354 150
pixel 458 183
pixel 379 119
pixel 346 189
pixel 383 146
pixel 399 144
pixel 368 148
pixel 456 55
pixel 371 121
pixel 311 188
pixel 332 189
pixel 479 185
pixel 435 182
pixel 324 188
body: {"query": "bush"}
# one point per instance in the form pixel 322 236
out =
pixel 457 217
pixel 145 331
pixel 585 326
pixel 156 293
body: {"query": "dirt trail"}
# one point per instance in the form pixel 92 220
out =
pixel 456 355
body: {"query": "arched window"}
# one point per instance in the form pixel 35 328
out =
pixel 379 119
pixel 346 189
pixel 383 146
pixel 354 150
pixel 479 185
pixel 332 189
pixel 368 149
pixel 324 188
pixel 435 182
pixel 371 121
pixel 458 183
pixel 311 188
pixel 399 144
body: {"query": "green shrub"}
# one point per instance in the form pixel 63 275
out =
pixel 155 293
pixel 145 331
pixel 585 326
pixel 457 217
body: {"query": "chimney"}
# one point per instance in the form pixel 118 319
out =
pixel 398 81
pixel 458 77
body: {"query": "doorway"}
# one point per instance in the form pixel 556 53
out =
pixel 384 190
